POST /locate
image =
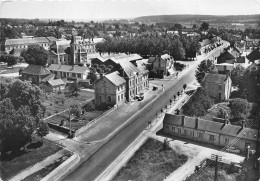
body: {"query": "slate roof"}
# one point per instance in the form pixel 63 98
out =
pixel 254 55
pixel 129 68
pixel 49 77
pixel 241 59
pixel 68 68
pixel 225 56
pixel 124 58
pixel 22 41
pixel 36 70
pixel 115 78
pixel 211 126
pixel 56 82
pixel 215 78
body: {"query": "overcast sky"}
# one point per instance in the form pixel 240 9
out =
pixel 100 9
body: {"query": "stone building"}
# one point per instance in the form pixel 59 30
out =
pixel 210 132
pixel 218 86
pixel 110 89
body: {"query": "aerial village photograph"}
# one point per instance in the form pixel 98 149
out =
pixel 129 90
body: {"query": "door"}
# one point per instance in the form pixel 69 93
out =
pixel 219 96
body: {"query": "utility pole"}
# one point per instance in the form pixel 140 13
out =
pixel 216 169
pixel 217 159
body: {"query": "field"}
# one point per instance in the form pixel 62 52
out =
pixel 36 152
pixel 151 162
pixel 58 102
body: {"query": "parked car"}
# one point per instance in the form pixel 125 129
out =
pixel 140 96
pixel 232 149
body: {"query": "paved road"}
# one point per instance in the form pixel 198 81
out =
pixel 91 168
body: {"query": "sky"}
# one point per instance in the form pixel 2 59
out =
pixel 106 9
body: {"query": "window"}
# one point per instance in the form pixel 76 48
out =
pixel 173 128
pixel 219 87
pixel 199 135
pixel 211 138
pixel 118 88
pixel 79 75
pixel 109 99
pixel 122 96
pixel 226 141
pixel 185 132
pixel 179 130
pixel 118 97
pixel 73 75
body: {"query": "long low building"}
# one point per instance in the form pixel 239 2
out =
pixel 215 133
pixel 23 43
pixel 69 71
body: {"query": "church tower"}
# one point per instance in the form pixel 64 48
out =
pixel 73 50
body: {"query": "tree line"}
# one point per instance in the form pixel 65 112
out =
pixel 151 45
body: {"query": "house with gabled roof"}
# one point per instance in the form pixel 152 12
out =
pixel 162 64
pixel 218 86
pixel 226 57
pixel 216 133
pixel 110 89
pixel 254 55
pixel 136 79
pixel 35 73
pixel 73 72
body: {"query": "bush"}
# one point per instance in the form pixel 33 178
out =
pixel 179 66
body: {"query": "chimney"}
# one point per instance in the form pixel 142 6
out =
pixel 182 120
pixel 247 152
pixel 196 123
pixel 243 124
pixel 226 121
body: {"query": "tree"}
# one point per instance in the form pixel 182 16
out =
pixel 165 144
pixel 198 104
pixel 206 66
pixel 239 108
pixel 92 75
pixel 184 86
pixel 251 83
pixel 237 75
pixel 74 88
pixel 35 54
pixel 43 129
pixel 24 93
pixel 75 110
pixel 16 126
pixel 9 59
pixel 204 26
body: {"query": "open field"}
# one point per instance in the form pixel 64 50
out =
pixel 151 162
pixel 34 153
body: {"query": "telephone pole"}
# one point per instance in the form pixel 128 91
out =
pixel 216 169
pixel 217 159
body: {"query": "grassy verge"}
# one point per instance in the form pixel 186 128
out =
pixel 34 153
pixel 37 176
pixel 151 162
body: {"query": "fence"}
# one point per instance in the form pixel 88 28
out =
pixel 94 120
